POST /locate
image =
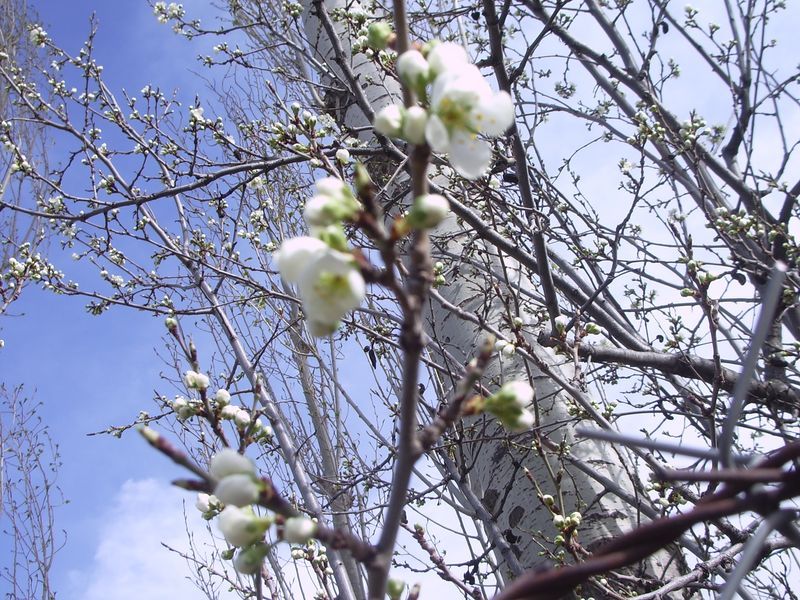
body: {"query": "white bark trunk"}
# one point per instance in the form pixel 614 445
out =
pixel 493 467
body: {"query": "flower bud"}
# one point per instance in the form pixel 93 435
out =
pixel 229 462
pixel 239 489
pixel 203 502
pixel 414 122
pixel 343 156
pixel 241 527
pixel 379 34
pixel 222 397
pixel 413 69
pixel 394 589
pixel 428 211
pixel 229 412
pixel 511 405
pixel 389 120
pixel 249 560
pixel 298 530
pixel 196 381
pixel 241 418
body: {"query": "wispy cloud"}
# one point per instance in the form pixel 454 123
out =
pixel 130 562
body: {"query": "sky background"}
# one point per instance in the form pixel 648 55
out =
pixel 92 372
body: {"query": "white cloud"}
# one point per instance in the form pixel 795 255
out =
pixel 130 561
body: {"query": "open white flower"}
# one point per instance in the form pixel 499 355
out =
pixel 229 462
pixel 463 106
pixel 197 114
pixel 295 254
pixel 446 57
pixel 239 489
pixel 330 286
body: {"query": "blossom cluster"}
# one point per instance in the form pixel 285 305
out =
pixel 237 489
pixel 221 403
pixel 511 404
pixel 166 12
pixel 460 106
pixel 326 274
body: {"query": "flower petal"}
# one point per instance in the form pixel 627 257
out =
pixel 447 56
pixel 469 155
pixel 294 254
pixel 436 134
pixel 495 114
pixel 331 286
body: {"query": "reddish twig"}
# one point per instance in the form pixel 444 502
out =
pixel 656 535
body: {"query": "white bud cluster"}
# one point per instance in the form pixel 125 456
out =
pixel 461 105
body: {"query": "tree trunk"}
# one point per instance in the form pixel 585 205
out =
pixel 493 465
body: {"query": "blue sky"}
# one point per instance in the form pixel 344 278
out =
pixel 91 372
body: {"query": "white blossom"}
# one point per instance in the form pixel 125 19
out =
pixel 229 462
pixel 197 114
pixel 242 418
pixel 446 56
pixel 462 106
pixel 414 121
pixel 413 68
pixel 428 211
pixel 330 286
pixel 389 120
pixel 331 204
pixel 298 530
pixel 222 397
pixel 511 404
pixel 229 412
pixel 196 381
pixel 295 254
pixel 205 502
pixel 182 408
pixel 249 560
pixel 239 489
pixel 241 527
pixel 343 156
